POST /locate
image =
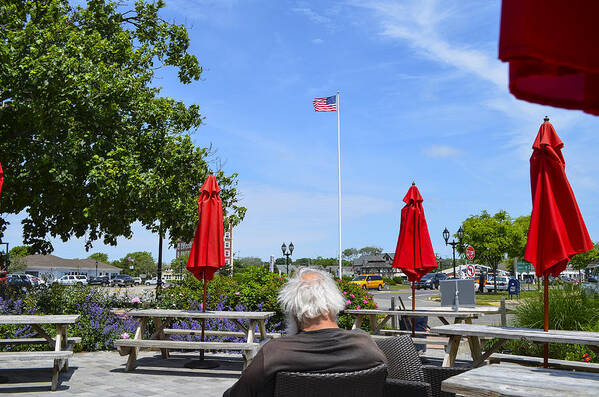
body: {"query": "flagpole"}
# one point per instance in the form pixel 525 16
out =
pixel 339 183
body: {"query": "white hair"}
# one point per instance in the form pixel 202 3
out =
pixel 309 294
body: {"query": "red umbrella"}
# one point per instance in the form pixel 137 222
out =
pixel 557 231
pixel 414 253
pixel 551 46
pixel 207 250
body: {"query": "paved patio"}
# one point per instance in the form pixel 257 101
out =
pixel 103 374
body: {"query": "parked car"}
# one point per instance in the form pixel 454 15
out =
pixel 430 280
pixel 154 281
pixel 368 281
pixel 100 280
pixel 122 280
pixel 33 280
pixel 19 280
pixel 502 282
pixel 137 280
pixel 72 279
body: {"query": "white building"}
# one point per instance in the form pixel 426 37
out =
pixel 51 267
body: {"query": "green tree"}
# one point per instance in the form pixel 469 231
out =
pixel 491 236
pixel 303 262
pixel 100 257
pixel 82 127
pixel 245 261
pixel 370 251
pixel 19 251
pixel 581 261
pixel 15 258
pixel 142 263
pixel 350 254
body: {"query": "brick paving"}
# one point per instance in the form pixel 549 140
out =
pixel 103 374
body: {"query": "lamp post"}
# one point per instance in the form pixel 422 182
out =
pixel 6 258
pixel 287 254
pixel 453 244
pixel 96 268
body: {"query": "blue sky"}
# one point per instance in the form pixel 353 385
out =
pixel 423 98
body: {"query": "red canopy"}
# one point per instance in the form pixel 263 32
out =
pixel 551 46
pixel 557 231
pixel 414 254
pixel 207 251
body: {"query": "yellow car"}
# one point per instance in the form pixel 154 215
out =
pixel 368 281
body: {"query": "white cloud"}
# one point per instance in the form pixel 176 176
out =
pixel 317 41
pixel 312 15
pixel 442 151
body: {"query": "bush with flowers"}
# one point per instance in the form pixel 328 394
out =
pixel 355 298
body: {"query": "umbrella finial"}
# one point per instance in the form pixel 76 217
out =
pixel 546 119
pixel 413 183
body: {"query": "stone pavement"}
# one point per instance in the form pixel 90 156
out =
pixel 103 374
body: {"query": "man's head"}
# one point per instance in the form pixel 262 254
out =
pixel 308 296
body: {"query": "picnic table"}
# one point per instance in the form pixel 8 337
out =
pixel 502 380
pixel 163 318
pixel 60 343
pixel 376 325
pixel 476 331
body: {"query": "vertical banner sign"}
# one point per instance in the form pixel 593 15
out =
pixel 271 266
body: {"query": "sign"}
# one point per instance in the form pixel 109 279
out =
pixel 271 264
pixel 470 253
pixel 470 270
pixel 524 267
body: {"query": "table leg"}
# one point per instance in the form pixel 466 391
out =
pixel 474 343
pixel 488 353
pixel 262 328
pixel 452 352
pixel 358 321
pixel 373 324
pixel 55 375
pixel 40 331
pixel 139 332
pixel 159 334
pixel 443 320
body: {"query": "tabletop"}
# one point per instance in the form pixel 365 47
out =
pixel 199 314
pixel 535 335
pixel 409 313
pixel 38 319
pixel 502 380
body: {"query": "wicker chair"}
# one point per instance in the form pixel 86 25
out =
pixel 369 382
pixel 404 365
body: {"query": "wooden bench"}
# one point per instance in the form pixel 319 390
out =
pixel 198 332
pixel 126 347
pixel 35 341
pixel 496 358
pixel 61 360
pixel 437 341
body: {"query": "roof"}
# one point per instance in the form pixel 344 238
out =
pixel 51 261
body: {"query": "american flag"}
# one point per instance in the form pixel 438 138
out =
pixel 328 104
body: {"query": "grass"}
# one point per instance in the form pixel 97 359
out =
pixel 491 297
pixel 399 287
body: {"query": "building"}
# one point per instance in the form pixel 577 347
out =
pixel 183 248
pixel 376 264
pixel 50 267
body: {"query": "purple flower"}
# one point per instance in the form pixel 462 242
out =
pixel 125 335
pixel 237 293
pixel 135 300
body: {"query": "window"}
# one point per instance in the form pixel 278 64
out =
pixel 227 261
pixel 227 244
pixel 227 235
pixel 227 253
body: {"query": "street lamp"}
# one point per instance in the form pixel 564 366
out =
pixel 287 254
pixel 453 244
pixel 96 268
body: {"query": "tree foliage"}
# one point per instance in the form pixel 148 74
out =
pixel 581 261
pixel 142 263
pixel 100 257
pixel 88 144
pixel 370 251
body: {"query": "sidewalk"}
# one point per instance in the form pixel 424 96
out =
pixel 103 374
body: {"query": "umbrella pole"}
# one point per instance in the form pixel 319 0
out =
pixel 203 320
pixel 546 315
pixel 413 307
pixel 201 363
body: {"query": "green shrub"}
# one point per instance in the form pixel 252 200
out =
pixel 389 281
pixel 356 298
pixel 398 280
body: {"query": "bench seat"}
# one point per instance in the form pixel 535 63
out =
pixel 169 331
pixel 34 341
pixel 28 356
pixel 496 358
pixel 184 345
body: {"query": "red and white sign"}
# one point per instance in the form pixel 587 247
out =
pixel 470 270
pixel 470 253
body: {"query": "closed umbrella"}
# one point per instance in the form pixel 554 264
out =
pixel 1 177
pixel 551 47
pixel 207 250
pixel 557 231
pixel 414 253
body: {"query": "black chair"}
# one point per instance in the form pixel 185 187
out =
pixel 405 369
pixel 369 382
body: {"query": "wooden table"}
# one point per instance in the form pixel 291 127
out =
pixel 476 331
pixel 376 326
pixel 60 343
pixel 163 318
pixel 502 380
